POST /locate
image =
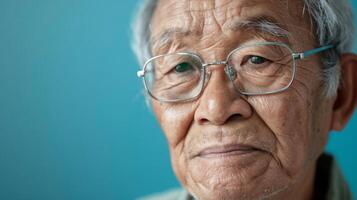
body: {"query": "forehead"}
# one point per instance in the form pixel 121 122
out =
pixel 204 17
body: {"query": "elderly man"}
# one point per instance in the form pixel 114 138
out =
pixel 247 91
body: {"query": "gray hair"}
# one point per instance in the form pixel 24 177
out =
pixel 332 20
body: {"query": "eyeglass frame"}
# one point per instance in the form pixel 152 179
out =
pixel 228 68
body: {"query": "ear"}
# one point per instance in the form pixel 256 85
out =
pixel 346 100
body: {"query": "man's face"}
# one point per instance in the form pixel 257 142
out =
pixel 227 146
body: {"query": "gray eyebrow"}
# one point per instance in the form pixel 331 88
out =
pixel 168 35
pixel 261 24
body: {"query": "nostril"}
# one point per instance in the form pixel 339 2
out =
pixel 203 121
pixel 234 117
pixel 221 119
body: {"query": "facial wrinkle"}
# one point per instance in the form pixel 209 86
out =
pixel 203 6
pixel 253 101
pixel 303 88
pixel 208 27
pixel 216 15
pixel 277 145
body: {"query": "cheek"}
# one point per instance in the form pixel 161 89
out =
pixel 294 118
pixel 322 115
pixel 174 120
pixel 287 116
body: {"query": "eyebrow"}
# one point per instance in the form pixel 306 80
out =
pixel 263 24
pixel 168 35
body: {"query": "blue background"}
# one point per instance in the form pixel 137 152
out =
pixel 73 122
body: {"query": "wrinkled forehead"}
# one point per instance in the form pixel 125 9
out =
pixel 206 16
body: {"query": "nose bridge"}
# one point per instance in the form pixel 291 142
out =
pixel 219 86
pixel 219 100
pixel 229 71
pixel 215 101
pixel 219 83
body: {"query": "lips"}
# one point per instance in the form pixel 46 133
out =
pixel 226 150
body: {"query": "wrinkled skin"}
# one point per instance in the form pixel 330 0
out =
pixel 288 130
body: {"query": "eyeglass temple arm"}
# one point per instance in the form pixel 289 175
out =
pixel 140 73
pixel 311 52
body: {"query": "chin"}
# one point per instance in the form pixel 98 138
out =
pixel 238 184
pixel 239 193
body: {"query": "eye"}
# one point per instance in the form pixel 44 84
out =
pixel 183 67
pixel 257 60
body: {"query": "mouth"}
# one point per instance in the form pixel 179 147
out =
pixel 226 151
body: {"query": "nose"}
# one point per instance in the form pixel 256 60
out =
pixel 220 103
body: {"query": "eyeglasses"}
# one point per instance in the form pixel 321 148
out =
pixel 254 69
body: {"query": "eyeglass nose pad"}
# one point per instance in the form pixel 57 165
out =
pixel 231 72
pixel 207 76
pixel 207 72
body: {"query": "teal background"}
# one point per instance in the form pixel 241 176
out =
pixel 73 121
